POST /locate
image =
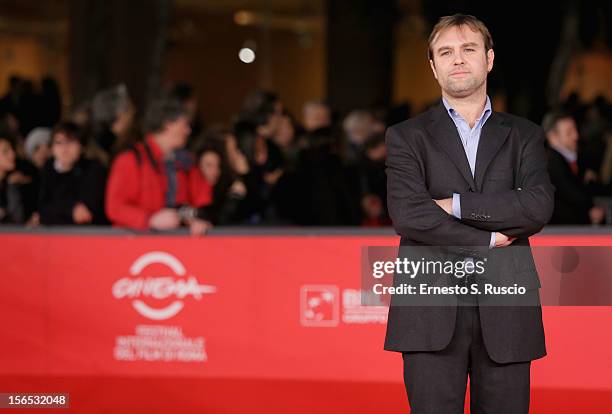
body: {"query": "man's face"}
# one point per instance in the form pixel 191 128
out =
pixel 460 63
pixel 179 131
pixel 66 150
pixel 565 134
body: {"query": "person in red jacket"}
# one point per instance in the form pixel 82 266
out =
pixel 155 185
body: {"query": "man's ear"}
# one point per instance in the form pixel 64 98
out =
pixel 433 68
pixel 490 59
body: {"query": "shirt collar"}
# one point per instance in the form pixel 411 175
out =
pixel 569 155
pixel 486 112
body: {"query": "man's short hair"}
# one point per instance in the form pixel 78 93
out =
pixel 459 20
pixel 550 120
pixel 71 130
pixel 161 110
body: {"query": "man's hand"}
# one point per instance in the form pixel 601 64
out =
pixel 198 227
pixel 501 240
pixel 81 214
pixel 165 219
pixel 446 204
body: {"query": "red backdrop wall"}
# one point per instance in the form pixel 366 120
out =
pixel 238 324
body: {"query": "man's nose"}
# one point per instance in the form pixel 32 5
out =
pixel 459 58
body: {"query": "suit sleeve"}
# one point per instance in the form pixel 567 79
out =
pixel 523 211
pixel 413 212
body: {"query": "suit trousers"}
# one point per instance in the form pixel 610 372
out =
pixel 436 381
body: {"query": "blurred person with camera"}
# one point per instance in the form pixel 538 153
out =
pixel 156 185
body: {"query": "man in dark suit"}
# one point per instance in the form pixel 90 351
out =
pixel 463 175
pixel 573 201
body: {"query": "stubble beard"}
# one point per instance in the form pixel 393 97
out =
pixel 463 87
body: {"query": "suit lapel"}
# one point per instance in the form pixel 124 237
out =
pixel 492 137
pixel 442 128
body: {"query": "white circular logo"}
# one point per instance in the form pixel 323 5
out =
pixel 159 287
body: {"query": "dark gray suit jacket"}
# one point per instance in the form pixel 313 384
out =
pixel 510 193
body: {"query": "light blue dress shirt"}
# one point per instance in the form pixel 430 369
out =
pixel 470 137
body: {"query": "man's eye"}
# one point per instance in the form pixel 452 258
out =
pixel 469 49
pixel 445 53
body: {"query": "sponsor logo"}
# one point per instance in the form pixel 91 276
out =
pixel 144 291
pixel 320 306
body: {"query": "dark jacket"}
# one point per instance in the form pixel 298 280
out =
pixel 510 193
pixel 572 199
pixel 60 192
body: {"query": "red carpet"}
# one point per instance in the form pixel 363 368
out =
pixel 185 395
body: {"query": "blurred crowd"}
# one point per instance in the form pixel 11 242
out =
pixel 108 162
pixel 160 167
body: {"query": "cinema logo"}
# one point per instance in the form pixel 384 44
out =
pixel 144 291
pixel 327 306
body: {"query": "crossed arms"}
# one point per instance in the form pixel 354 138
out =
pixel 521 212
